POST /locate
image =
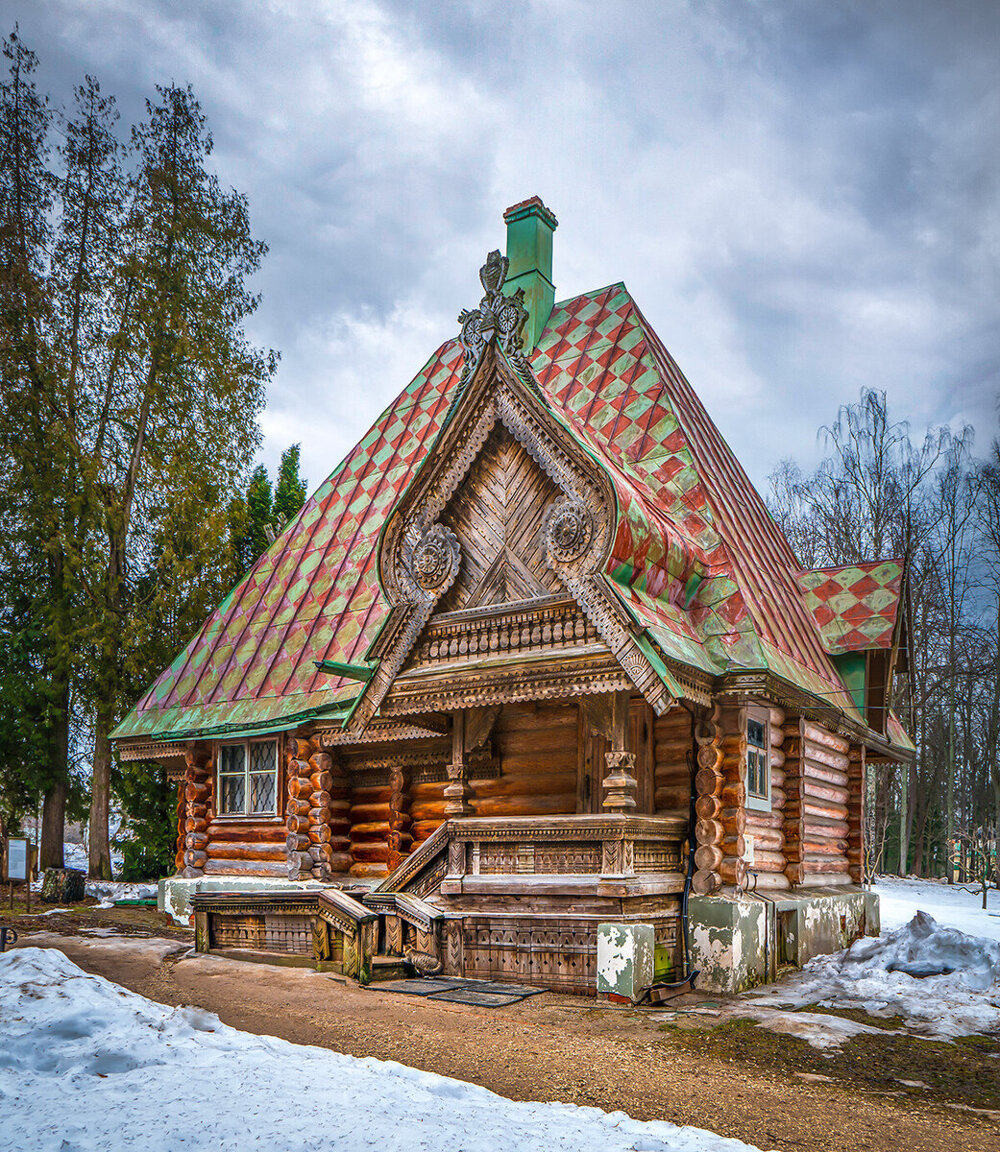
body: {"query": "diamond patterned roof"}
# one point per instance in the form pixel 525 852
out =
pixel 854 606
pixel 685 508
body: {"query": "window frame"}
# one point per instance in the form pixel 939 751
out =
pixel 273 813
pixel 756 802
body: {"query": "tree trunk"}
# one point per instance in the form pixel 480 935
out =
pixel 53 820
pixel 99 850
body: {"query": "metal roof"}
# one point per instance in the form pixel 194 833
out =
pixel 855 606
pixel 685 509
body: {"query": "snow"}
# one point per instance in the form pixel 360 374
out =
pixel 108 891
pixel 87 1066
pixel 942 982
pixel 951 906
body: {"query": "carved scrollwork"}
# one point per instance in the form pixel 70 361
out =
pixel 568 526
pixel 497 315
pixel 435 559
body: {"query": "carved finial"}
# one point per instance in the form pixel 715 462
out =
pixel 499 316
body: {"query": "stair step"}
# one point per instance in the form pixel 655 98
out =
pixel 389 968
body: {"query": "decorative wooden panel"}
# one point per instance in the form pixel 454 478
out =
pixel 497 516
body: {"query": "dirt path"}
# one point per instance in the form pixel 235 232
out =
pixel 548 1047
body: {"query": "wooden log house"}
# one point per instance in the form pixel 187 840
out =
pixel 534 657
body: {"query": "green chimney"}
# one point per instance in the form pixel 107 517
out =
pixel 529 249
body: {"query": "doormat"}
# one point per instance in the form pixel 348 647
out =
pixel 459 990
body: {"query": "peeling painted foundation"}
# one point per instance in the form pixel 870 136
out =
pixel 741 940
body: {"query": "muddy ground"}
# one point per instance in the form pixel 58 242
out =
pixel 687 1066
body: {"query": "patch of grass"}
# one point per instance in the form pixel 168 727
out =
pixel 859 1015
pixel 965 1072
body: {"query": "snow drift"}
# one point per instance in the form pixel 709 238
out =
pixel 86 1066
pixel 942 982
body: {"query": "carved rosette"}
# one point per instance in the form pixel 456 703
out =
pixel 435 560
pixel 568 528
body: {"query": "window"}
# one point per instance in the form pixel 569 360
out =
pixel 248 778
pixel 758 761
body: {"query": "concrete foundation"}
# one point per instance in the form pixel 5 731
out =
pixel 740 941
pixel 624 960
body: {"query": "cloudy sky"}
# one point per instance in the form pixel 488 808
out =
pixel 802 195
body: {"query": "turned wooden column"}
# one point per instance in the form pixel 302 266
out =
pixel 456 793
pixel 620 782
pixel 400 839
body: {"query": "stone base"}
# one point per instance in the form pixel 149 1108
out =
pixel 173 895
pixel 740 941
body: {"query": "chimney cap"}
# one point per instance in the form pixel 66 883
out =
pixel 531 207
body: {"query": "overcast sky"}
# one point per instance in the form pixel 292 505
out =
pixel 802 195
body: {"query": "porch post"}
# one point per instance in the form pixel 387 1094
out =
pixel 620 782
pixel 456 793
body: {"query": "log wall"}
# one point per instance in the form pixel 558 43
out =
pixel 816 809
pixel 537 748
pixel 673 751
pixel 768 828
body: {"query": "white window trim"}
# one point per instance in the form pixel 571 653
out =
pixel 245 815
pixel 758 803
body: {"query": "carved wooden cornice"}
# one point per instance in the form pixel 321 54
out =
pixel 150 751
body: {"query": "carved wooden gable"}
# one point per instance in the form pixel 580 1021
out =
pixel 496 515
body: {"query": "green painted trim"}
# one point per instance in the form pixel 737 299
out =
pixel 264 728
pixel 349 671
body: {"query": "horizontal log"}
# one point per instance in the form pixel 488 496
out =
pixel 271 833
pixel 767 839
pixel 733 870
pixel 228 851
pixel 707 807
pixel 372 795
pixel 824 828
pixel 777 758
pixel 733 794
pixel 369 813
pixel 195 824
pixel 820 735
pixel 820 866
pixel 816 754
pixel 708 782
pixel 825 792
pixel 777 778
pixel 321 781
pixel 246 868
pixel 734 747
pixel 424 829
pixel 550 784
pixel 815 808
pixel 677 797
pixel 766 860
pixel 540 740
pixel 196 840
pixel 298 862
pixel 757 819
pixel 195 857
pixel 709 832
pixel 734 845
pixel 196 792
pixel 319 834
pixel 297 808
pixel 540 763
pixel 817 846
pixel 340 861
pixel 734 819
pixel 370 853
pixel 297 824
pixel 709 756
pixel 526 805
pixel 771 882
pixel 364 833
pixel 776 716
pixel 428 811
pixel 778 800
pixel 676 720
pixel 708 857
pixel 429 790
pixel 297 842
pixel 705 882
pixel 369 871
pixel 300 788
